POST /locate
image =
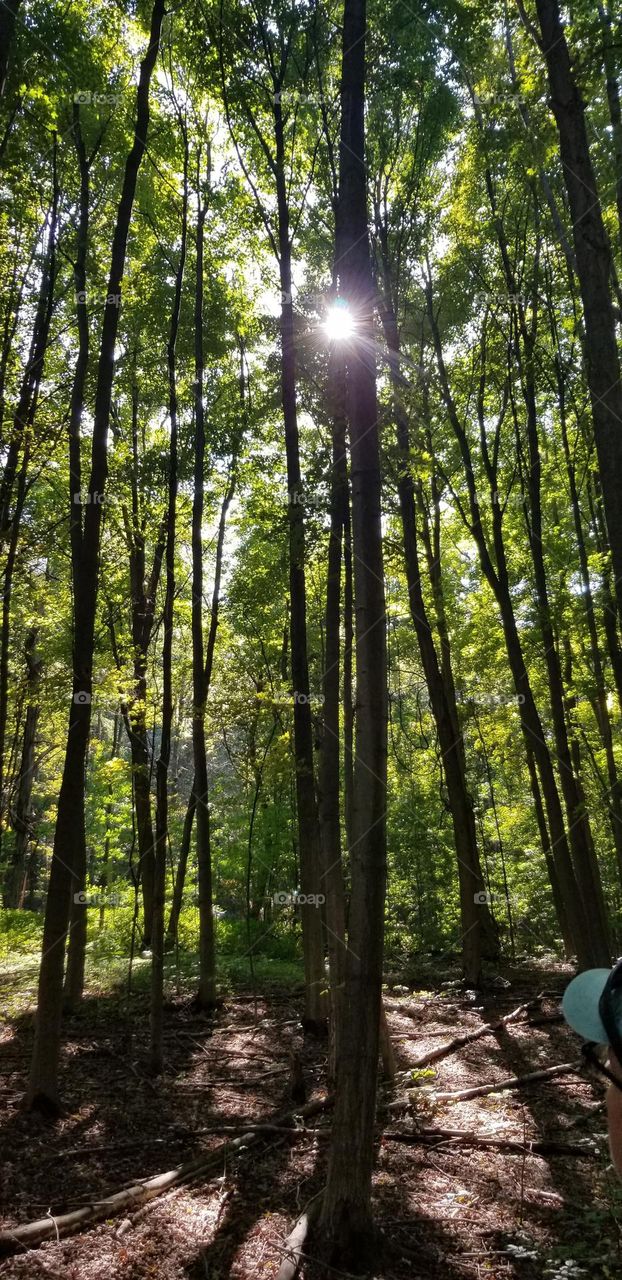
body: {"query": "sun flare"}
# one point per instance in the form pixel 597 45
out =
pixel 339 322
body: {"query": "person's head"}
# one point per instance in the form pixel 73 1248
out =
pixel 592 1006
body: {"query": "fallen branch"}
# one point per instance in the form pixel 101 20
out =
pixel 488 1028
pixel 463 1137
pixel 513 1082
pixel 34 1233
pixel 296 1240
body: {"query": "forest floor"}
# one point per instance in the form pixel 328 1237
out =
pixel 448 1211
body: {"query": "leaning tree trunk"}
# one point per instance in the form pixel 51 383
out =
pixel 43 1084
pixel 346 1222
pixel 594 269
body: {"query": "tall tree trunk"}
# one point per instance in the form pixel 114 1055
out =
pixel 143 594
pixel 76 958
pixel 180 874
pixel 610 616
pixel 346 1214
pixel 43 1084
pixel 186 838
pixel 478 929
pixel 309 843
pixel 599 699
pixel 162 767
pixel 586 941
pixel 579 828
pixel 9 11
pixel 329 770
pixel 21 443
pixel 206 994
pixel 611 66
pixel 594 268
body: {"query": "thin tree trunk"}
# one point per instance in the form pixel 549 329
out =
pixel 21 439
pixel 478 929
pixel 601 709
pixel 43 1084
pixel 309 842
pixel 346 1222
pixel 329 771
pixel 594 268
pixel 9 11
pixel 180 875
pixel 588 947
pixel 611 66
pixel 21 815
pixel 206 994
pixel 159 863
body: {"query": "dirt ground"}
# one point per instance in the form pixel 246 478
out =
pixel 447 1210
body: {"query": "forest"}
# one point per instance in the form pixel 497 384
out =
pixel 310 636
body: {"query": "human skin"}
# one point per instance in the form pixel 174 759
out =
pixel 614 1114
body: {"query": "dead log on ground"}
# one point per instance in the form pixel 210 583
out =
pixel 463 1137
pixel 34 1233
pixel 513 1082
pixel 295 1242
pixel 488 1028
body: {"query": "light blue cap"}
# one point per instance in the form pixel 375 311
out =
pixel 580 1005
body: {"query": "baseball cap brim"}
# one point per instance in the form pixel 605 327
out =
pixel 580 1005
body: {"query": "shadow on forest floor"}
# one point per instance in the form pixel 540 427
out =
pixel 446 1211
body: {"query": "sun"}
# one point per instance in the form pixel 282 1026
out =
pixel 339 321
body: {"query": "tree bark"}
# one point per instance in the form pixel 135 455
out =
pixel 21 815
pixel 206 994
pixel 309 843
pixel 478 929
pixel 43 1084
pixel 346 1222
pixel 156 1020
pixel 329 770
pixel 8 13
pixel 587 946
pixel 594 269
